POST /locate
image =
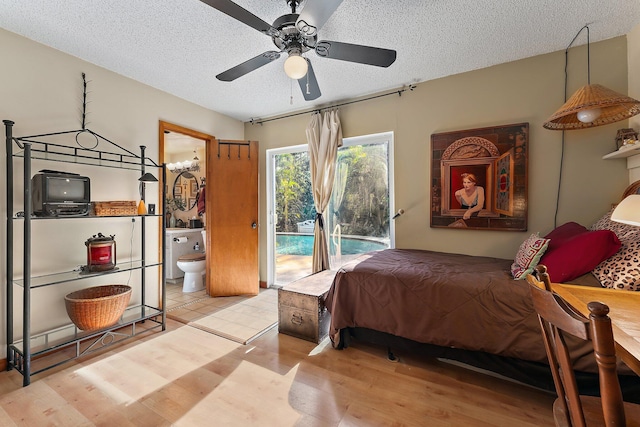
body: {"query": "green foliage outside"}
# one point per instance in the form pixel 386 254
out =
pixel 294 201
pixel 360 198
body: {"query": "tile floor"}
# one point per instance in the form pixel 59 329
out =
pixel 186 307
pixel 189 307
pixel 244 320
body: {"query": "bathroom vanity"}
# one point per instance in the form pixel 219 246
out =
pixel 180 241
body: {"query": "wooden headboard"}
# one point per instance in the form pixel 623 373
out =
pixel 633 188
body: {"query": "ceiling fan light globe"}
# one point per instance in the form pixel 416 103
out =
pixel 588 116
pixel 295 67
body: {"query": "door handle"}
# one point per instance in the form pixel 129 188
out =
pixel 254 225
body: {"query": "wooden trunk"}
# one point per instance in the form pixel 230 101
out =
pixel 301 310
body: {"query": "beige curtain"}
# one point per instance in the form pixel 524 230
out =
pixel 324 135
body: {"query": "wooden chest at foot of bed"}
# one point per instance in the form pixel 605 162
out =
pixel 301 310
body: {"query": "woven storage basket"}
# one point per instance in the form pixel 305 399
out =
pixel 127 207
pixel 97 307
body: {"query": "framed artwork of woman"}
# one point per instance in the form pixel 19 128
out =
pixel 479 178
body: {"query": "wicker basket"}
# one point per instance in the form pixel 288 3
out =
pixel 127 207
pixel 97 307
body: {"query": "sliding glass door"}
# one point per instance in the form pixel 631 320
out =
pixel 357 220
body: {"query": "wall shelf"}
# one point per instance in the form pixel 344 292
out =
pixel 624 152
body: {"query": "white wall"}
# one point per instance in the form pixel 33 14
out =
pixel 41 90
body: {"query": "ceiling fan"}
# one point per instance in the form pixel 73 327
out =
pixel 295 34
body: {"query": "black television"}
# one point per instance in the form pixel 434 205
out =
pixel 56 194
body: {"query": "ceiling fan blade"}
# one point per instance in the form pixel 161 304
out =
pixel 356 53
pixel 309 84
pixel 314 15
pixel 248 66
pixel 233 10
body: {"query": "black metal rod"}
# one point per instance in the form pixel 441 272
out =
pixel 100 154
pixel 84 100
pixel 26 269
pixel 31 138
pixel 143 233
pixel 230 143
pixel 316 110
pixel 163 273
pixel 142 171
pixel 8 125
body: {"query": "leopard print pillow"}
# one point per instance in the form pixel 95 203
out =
pixel 622 270
pixel 621 230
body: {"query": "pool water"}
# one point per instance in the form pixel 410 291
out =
pixel 300 244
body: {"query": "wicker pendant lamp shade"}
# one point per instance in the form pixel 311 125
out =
pixel 613 107
pixel 592 105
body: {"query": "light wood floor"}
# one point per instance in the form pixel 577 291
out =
pixel 188 377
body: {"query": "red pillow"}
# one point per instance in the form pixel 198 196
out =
pixel 563 233
pixel 579 254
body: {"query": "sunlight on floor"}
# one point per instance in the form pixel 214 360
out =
pixel 232 391
pixel 290 268
pixel 194 348
pixel 318 349
pixel 241 398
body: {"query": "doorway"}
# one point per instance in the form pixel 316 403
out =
pixel 177 146
pixel 230 210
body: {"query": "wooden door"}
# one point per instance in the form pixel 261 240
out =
pixel 232 218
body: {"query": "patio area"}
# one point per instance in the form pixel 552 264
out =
pixel 290 268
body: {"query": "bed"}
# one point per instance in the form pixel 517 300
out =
pixel 469 308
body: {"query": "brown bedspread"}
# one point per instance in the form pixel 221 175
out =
pixel 449 300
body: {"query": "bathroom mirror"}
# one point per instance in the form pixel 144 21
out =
pixel 186 188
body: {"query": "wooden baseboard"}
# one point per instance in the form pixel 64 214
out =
pixel 263 284
pixel 3 364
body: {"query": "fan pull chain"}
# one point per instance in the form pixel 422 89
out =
pixel 308 93
pixel 291 88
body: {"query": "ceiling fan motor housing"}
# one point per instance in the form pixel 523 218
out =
pixel 289 37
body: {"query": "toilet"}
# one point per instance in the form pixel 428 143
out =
pixel 194 266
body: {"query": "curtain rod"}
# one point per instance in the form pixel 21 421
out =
pixel 317 110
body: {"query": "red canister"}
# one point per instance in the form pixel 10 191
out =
pixel 101 253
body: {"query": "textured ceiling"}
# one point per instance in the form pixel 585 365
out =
pixel 179 46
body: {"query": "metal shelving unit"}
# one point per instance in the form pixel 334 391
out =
pixel 62 344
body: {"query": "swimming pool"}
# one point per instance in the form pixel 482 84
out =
pixel 302 244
